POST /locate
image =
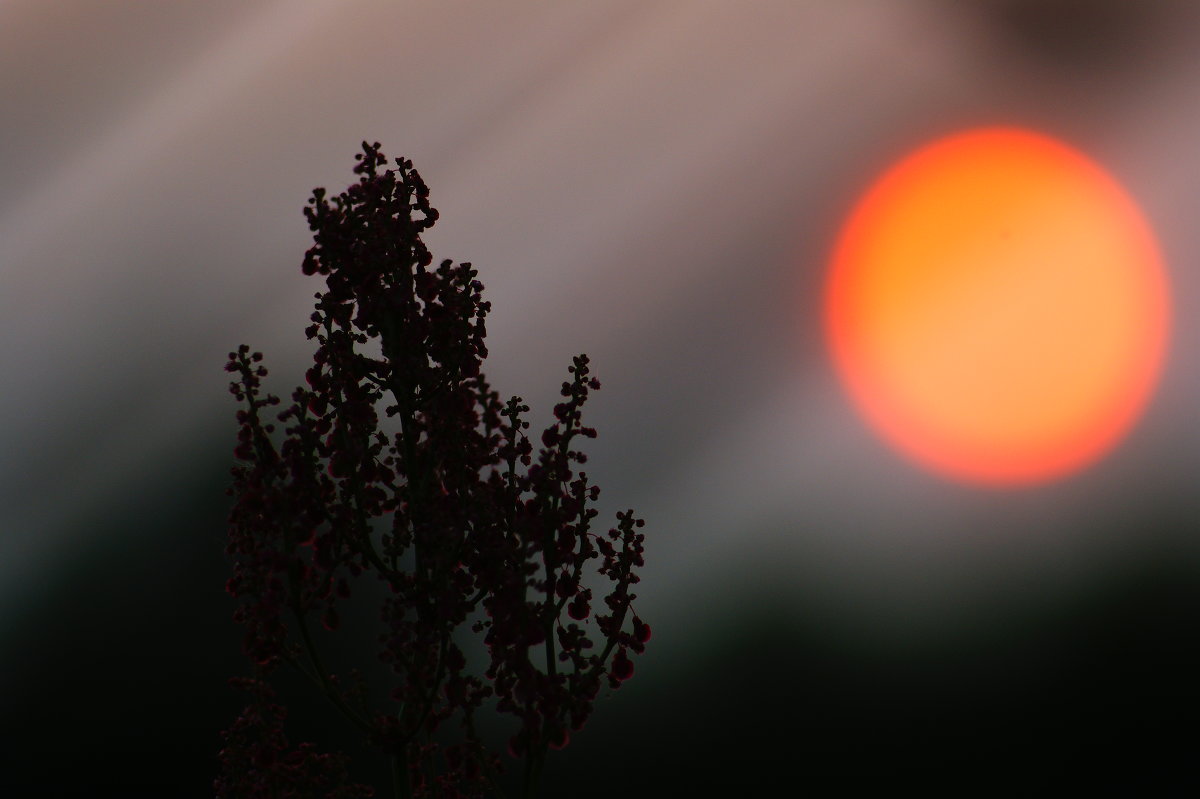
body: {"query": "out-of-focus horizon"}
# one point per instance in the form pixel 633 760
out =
pixel 657 185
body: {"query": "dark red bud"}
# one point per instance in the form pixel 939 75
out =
pixel 578 608
pixel 641 630
pixel 560 739
pixel 622 666
pixel 330 620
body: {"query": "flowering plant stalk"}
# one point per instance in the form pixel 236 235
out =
pixel 469 528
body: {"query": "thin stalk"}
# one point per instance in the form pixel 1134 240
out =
pixel 330 690
pixel 401 787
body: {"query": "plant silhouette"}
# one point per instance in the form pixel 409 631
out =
pixel 470 528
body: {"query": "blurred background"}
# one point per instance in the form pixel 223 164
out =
pixel 657 185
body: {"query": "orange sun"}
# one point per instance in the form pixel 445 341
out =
pixel 997 308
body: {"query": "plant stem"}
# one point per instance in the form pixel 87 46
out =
pixel 533 771
pixel 401 787
pixel 330 691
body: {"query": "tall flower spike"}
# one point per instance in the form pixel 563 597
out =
pixel 452 508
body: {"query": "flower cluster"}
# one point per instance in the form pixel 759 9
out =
pixel 256 747
pixel 468 526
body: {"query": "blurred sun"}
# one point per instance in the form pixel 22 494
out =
pixel 997 308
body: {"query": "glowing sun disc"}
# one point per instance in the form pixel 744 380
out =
pixel 997 308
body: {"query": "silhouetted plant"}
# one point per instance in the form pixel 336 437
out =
pixel 466 525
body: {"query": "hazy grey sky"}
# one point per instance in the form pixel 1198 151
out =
pixel 655 184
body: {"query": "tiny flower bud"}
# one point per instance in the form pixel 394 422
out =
pixel 578 608
pixel 330 620
pixel 641 630
pixel 622 666
pixel 559 739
